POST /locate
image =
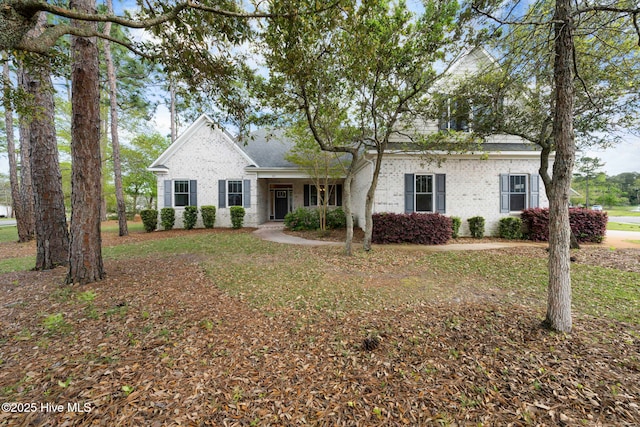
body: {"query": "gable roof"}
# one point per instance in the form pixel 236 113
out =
pixel 203 120
pixel 268 147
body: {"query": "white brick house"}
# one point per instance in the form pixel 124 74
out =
pixel 206 166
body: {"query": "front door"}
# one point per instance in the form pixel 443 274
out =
pixel 281 204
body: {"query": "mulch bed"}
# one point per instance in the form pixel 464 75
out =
pixel 162 345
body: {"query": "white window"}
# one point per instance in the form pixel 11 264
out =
pixel 424 193
pixel 517 192
pixel 181 193
pixel 234 193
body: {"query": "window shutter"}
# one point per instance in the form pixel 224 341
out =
pixel 306 194
pixel 409 183
pixel 222 193
pixel 338 194
pixel 193 192
pixel 534 191
pixel 504 193
pixel 167 193
pixel 246 193
pixel 441 200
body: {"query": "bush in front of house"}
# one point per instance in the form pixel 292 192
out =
pixel 510 228
pixel 302 219
pixel 167 218
pixel 336 218
pixel 587 225
pixel 189 217
pixel 208 216
pixel 456 222
pixel 149 219
pixel 237 216
pixel 418 228
pixel 476 227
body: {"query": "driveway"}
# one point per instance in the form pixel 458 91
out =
pixel 625 219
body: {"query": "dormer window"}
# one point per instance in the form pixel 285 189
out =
pixel 454 115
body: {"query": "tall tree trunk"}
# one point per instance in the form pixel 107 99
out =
pixel 25 233
pixel 52 236
pixel 368 206
pixel 26 186
pixel 559 299
pixel 85 253
pixel 115 143
pixel 348 244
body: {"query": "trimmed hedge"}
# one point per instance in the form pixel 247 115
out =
pixel 476 226
pixel 189 217
pixel 302 219
pixel 149 219
pixel 237 216
pixel 510 228
pixel 208 216
pixel 456 222
pixel 167 218
pixel 336 218
pixel 423 229
pixel 587 225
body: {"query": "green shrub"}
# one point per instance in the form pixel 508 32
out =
pixel 208 216
pixel 510 228
pixel 189 217
pixel 476 227
pixel 167 218
pixel 149 219
pixel 336 218
pixel 237 216
pixel 302 219
pixel 456 222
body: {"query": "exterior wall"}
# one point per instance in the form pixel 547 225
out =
pixel 208 156
pixel 472 186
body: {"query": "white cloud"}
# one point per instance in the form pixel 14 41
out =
pixel 624 157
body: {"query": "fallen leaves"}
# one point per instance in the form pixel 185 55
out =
pixel 157 343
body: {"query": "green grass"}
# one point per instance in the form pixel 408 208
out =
pixel 271 276
pixel 623 227
pixel 623 211
pixel 8 234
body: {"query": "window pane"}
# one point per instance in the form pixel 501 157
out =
pixel 424 203
pixel 517 184
pixel 517 202
pixel 235 199
pixel 182 199
pixel 234 193
pixel 424 183
pixel 313 195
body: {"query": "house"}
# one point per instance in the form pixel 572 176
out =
pixel 207 166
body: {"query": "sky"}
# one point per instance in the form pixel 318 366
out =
pixel 625 157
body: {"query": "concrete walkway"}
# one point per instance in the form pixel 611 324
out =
pixel 274 232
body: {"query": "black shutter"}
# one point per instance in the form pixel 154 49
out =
pixel 339 195
pixel 246 193
pixel 504 193
pixel 222 193
pixel 441 191
pixel 167 193
pixel 409 185
pixel 306 194
pixel 534 191
pixel 193 193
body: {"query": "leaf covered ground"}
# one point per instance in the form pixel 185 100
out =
pixel 218 328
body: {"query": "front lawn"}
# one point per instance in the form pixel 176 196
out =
pixel 216 327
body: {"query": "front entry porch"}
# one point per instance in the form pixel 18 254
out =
pixel 280 201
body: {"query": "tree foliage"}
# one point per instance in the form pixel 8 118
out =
pixel 356 72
